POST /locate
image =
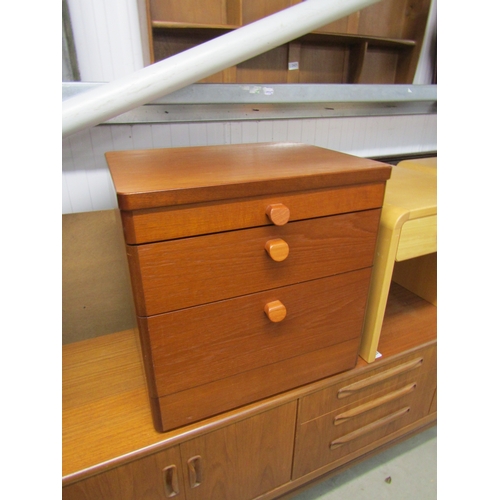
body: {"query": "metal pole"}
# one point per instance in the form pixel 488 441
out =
pixel 150 83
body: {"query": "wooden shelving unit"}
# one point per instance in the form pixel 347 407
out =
pixel 378 45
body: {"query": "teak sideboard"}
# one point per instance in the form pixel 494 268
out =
pixel 295 402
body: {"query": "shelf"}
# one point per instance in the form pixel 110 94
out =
pixel 166 25
pixel 316 37
pixel 409 322
pixel 347 39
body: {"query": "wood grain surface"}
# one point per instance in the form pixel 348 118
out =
pixel 149 225
pixel 182 273
pixel 163 177
pixel 235 335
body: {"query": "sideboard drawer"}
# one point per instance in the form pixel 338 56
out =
pixel 328 438
pixel 191 271
pixel 380 380
pixel 236 335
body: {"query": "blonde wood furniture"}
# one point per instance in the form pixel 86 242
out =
pixel 264 450
pixel 250 267
pixel 379 44
pixel 406 245
pixel 428 165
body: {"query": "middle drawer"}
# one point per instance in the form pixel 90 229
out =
pixel 176 274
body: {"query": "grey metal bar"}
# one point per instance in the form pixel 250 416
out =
pixel 208 93
pixel 221 102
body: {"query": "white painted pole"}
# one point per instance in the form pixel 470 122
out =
pixel 150 83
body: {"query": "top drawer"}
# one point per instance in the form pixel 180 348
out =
pixel 178 192
pixel 369 383
pixel 166 223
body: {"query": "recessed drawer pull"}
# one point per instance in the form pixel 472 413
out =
pixel 275 311
pixel 278 214
pixel 342 417
pixel 277 249
pixel 171 481
pixel 348 390
pixel 194 471
pixel 368 428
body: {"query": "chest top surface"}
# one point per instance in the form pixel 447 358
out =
pixel 174 176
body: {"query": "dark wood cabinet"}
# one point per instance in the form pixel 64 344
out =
pixel 380 44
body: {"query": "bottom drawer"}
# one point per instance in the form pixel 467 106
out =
pixel 209 359
pixel 333 436
pixel 195 404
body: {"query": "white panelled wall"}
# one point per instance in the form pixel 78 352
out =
pixel 108 38
pixel 87 184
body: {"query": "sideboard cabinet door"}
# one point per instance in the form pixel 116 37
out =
pixel 243 460
pixel 155 477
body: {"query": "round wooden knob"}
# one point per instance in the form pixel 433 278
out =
pixel 275 311
pixel 277 249
pixel 278 214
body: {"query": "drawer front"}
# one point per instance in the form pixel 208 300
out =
pixel 237 335
pixel 146 226
pixel 418 237
pixel 186 407
pixel 333 436
pixel 376 381
pixel 182 273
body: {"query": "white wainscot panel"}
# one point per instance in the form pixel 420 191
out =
pixel 87 184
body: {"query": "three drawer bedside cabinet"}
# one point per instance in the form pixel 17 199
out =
pixel 250 267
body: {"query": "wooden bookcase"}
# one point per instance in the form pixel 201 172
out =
pixel 377 45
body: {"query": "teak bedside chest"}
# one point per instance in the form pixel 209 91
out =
pixel 250 267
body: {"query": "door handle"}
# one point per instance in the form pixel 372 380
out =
pixel 194 471
pixel 171 481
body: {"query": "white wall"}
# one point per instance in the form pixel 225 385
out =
pixel 107 38
pixel 87 183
